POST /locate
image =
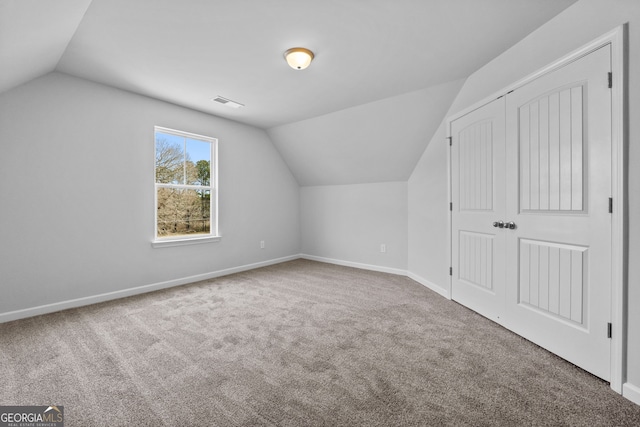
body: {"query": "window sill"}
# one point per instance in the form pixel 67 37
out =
pixel 164 243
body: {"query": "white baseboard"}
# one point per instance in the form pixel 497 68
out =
pixel 94 299
pixel 371 267
pixel 631 392
pixel 426 283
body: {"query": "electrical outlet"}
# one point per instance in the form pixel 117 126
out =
pixel 383 248
pixel 261 244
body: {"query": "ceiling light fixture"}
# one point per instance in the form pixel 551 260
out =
pixel 298 58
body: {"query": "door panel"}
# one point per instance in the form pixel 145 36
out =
pixel 476 259
pixel 476 166
pixel 477 147
pixel 558 184
pixel 553 280
pixel 551 152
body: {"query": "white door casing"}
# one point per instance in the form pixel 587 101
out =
pixel 549 278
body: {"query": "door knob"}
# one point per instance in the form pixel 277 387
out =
pixel 498 224
pixel 510 225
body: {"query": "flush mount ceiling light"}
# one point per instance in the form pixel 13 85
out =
pixel 298 58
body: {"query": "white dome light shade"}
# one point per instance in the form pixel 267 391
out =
pixel 298 58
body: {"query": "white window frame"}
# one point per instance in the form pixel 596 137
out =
pixel 213 235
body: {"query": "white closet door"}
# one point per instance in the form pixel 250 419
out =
pixel 477 177
pixel 558 184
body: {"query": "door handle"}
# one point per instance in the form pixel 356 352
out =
pixel 501 224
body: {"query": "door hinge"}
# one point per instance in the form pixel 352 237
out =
pixel 610 80
pixel 450 271
pixel 609 329
pixel 450 140
pixel 610 204
pixel 451 206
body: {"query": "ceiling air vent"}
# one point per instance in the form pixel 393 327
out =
pixel 227 102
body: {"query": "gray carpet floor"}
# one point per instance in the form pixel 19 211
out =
pixel 296 344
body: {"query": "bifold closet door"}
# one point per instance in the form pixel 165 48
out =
pixel 558 184
pixel 478 197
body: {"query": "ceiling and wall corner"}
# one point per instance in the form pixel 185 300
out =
pixel 189 52
pixel 33 36
pixel 376 142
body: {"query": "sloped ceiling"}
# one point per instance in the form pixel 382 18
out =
pixel 190 51
pixel 33 36
pixel 376 142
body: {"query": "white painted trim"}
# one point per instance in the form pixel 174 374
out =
pixel 361 266
pixel 631 392
pixel 213 235
pixel 184 134
pixel 79 302
pixel 442 291
pixel 183 242
pixel 109 296
pixel 615 38
pixel 618 176
pixel 430 285
pixel 450 213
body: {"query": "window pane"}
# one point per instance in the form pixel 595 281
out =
pixel 198 165
pixel 169 158
pixel 183 212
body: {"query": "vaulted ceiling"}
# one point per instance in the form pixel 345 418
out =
pixel 385 71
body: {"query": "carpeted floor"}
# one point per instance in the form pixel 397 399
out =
pixel 296 344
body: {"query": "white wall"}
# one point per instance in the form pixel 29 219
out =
pixel 350 222
pixel 76 194
pixel 376 142
pixel 428 233
pixel 576 26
